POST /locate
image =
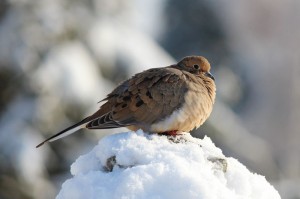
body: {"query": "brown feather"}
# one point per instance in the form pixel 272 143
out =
pixel 177 97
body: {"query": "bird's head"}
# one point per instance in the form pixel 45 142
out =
pixel 197 65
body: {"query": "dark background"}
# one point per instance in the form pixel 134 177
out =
pixel 58 58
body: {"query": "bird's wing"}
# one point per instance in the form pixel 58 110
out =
pixel 144 99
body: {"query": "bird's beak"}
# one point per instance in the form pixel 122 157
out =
pixel 208 74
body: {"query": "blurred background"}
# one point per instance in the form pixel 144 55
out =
pixel 58 58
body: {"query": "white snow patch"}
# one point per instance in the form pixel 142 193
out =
pixel 152 166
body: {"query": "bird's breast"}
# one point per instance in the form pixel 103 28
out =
pixel 195 110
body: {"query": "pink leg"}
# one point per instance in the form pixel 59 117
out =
pixel 170 133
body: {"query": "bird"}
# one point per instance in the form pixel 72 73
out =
pixel 167 100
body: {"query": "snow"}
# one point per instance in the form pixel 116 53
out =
pixel 70 73
pixel 139 165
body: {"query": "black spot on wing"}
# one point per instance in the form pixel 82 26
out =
pixel 149 95
pixel 139 103
pixel 126 98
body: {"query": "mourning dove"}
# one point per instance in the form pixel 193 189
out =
pixel 169 100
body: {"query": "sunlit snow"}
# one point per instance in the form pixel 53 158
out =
pixel 139 165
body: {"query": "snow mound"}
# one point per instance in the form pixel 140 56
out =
pixel 138 165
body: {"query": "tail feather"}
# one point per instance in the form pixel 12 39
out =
pixel 66 132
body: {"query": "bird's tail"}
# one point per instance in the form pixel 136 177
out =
pixel 66 132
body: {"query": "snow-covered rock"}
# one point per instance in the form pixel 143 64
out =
pixel 139 165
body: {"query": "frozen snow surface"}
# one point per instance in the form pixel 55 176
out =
pixel 136 165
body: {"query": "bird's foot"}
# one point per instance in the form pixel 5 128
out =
pixel 171 133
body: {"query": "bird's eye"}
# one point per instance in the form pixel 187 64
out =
pixel 196 66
